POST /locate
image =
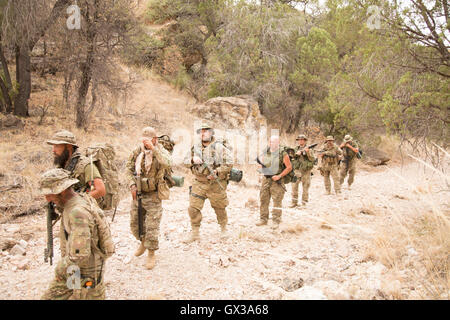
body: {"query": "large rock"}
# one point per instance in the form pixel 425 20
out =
pixel 231 112
pixel 374 157
pixel 11 122
pixel 18 250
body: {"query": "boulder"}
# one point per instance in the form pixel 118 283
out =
pixel 375 157
pixel 11 122
pixel 231 112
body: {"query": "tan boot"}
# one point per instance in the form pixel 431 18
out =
pixel 194 236
pixel 261 223
pixel 140 251
pixel 223 231
pixel 293 205
pixel 151 260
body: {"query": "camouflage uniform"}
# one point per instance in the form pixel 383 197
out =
pixel 302 166
pixel 329 166
pixel 151 181
pixel 349 161
pixel 79 166
pixel 78 241
pixel 219 158
pixel 272 189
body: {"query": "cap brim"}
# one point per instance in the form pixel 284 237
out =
pixel 60 188
pixel 53 142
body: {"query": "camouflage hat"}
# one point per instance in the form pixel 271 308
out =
pixel 63 137
pixel 149 132
pixel 330 138
pixel 204 125
pixel 348 138
pixel 56 181
pixel 301 136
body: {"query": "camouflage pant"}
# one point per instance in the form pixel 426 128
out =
pixel 305 177
pixel 274 190
pixel 333 171
pixel 59 289
pixel 152 208
pixel 349 168
pixel 217 197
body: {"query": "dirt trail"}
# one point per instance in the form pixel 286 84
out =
pixel 324 245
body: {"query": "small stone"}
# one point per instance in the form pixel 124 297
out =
pixel 23 244
pixel 12 228
pixel 17 250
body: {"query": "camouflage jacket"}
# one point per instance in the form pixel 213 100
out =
pixel 215 154
pixel 348 153
pixel 331 156
pixel 305 161
pixel 80 168
pixel 161 163
pixel 79 239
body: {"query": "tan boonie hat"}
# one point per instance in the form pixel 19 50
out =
pixel 301 136
pixel 55 181
pixel 63 137
pixel 149 132
pixel 347 138
pixel 204 125
pixel 330 138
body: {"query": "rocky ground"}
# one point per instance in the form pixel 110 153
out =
pixel 320 251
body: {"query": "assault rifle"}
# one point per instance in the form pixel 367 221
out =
pixel 140 209
pixel 51 215
pixel 207 166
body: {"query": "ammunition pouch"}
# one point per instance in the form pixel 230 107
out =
pixel 148 184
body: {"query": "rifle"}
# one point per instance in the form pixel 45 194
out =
pixel 311 146
pixel 51 215
pixel 207 166
pixel 140 209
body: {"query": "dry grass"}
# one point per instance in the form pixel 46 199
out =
pixel 418 244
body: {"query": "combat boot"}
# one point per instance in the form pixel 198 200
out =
pixel 223 231
pixel 261 223
pixel 140 251
pixel 194 236
pixel 151 260
pixel 293 205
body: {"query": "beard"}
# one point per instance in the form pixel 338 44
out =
pixel 61 160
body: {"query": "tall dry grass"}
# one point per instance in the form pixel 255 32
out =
pixel 418 245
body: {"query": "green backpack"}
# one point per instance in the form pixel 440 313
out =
pixel 290 177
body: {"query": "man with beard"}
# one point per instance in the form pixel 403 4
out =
pixel 68 157
pixel 210 162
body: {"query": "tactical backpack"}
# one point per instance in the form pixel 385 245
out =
pixel 105 241
pixel 290 177
pixel 103 155
pixel 169 145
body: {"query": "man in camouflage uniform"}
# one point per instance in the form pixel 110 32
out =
pixel 148 162
pixel 276 165
pixel 78 241
pixel 302 165
pixel 349 149
pixel 68 157
pixel 208 154
pixel 330 156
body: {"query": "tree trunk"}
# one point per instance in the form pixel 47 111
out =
pixel 23 76
pixel 5 68
pixel 7 105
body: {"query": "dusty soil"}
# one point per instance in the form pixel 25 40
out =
pixel 325 245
